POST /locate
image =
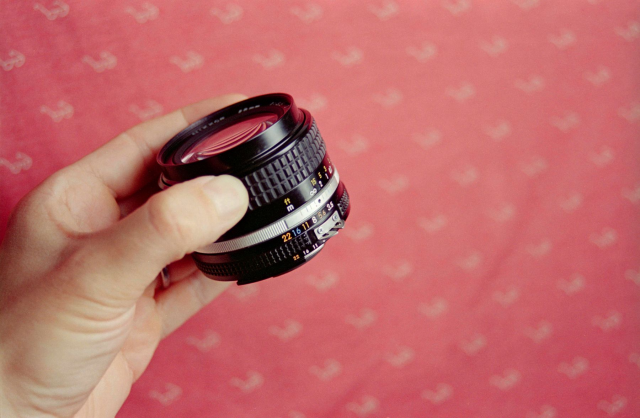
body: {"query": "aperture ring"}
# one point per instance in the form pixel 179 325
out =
pixel 287 171
pixel 267 259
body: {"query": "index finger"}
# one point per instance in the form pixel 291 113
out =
pixel 128 162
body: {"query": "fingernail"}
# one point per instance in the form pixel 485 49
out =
pixel 229 196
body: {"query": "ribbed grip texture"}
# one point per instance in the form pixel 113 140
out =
pixel 284 252
pixel 343 204
pixel 285 173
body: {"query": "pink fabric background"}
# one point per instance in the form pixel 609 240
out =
pixel 491 266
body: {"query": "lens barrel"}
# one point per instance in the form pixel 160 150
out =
pixel 296 199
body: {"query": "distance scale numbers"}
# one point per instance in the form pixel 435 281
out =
pixel 313 184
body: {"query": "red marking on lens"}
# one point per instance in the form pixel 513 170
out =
pixel 229 137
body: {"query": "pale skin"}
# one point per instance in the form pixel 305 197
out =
pixel 81 311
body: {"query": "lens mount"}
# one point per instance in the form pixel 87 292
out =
pixel 276 150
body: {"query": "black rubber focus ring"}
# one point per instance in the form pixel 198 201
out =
pixel 285 173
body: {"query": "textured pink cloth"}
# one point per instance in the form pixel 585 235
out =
pixel 491 266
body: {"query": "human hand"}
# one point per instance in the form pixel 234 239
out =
pixel 80 310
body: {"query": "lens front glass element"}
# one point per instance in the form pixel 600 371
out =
pixel 237 133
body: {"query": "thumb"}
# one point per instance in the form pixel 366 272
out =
pixel 172 223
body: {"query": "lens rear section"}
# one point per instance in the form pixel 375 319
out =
pixel 296 199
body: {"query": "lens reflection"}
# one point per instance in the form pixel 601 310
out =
pixel 229 137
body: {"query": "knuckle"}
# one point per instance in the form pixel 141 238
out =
pixel 45 196
pixel 37 208
pixel 26 209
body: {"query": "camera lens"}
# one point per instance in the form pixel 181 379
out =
pixel 296 199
